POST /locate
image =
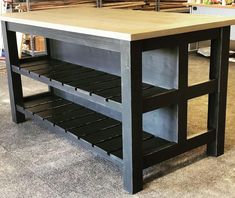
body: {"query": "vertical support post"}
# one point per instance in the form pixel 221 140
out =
pixel 28 5
pixel 32 44
pixel 157 8
pixel 217 100
pixel 131 73
pixel 48 51
pixel 14 79
pixel 182 87
pixel 99 3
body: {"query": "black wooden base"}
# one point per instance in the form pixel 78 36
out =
pixel 90 104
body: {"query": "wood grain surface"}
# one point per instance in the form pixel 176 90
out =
pixel 118 24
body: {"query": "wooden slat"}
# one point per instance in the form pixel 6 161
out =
pixel 81 121
pixel 48 105
pixel 104 135
pixel 92 127
pixel 53 113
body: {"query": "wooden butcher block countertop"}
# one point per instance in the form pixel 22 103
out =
pixel 118 24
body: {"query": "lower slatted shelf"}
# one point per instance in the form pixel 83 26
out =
pixel 104 134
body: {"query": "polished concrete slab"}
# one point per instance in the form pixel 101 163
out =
pixel 37 162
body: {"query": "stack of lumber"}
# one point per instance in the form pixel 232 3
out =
pixel 165 5
pixel 170 4
pixel 124 4
pixel 43 4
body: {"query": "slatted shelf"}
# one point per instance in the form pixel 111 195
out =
pixel 88 83
pixel 100 132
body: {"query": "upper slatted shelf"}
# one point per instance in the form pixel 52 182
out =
pixel 87 83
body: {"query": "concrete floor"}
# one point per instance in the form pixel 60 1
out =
pixel 35 162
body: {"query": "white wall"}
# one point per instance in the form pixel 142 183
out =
pixel 229 12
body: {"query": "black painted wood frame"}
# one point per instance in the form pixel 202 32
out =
pixel 132 106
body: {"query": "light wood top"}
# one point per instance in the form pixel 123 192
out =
pixel 211 5
pixel 118 24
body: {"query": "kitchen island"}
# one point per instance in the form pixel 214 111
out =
pixel 118 81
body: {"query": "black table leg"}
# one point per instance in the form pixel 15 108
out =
pixel 182 108
pixel 48 52
pixel 131 72
pixel 14 79
pixel 217 100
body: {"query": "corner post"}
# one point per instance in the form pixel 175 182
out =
pixel 14 79
pixel 182 108
pixel 131 73
pixel 48 53
pixel 217 100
